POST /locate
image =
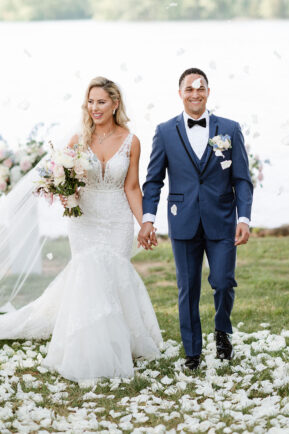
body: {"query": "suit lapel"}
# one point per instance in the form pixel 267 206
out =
pixel 213 131
pixel 180 125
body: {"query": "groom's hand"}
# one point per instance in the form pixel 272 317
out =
pixel 242 234
pixel 147 236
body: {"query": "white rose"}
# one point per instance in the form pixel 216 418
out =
pixel 226 144
pixel 59 180
pixel 58 172
pixel 84 160
pixel 18 156
pixel 4 171
pixel 15 174
pixel 72 201
pixel 25 164
pixel 64 160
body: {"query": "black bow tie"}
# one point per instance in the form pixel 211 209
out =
pixel 201 122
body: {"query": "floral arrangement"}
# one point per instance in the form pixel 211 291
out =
pixel 220 143
pixel 256 167
pixel 6 163
pixel 14 165
pixel 62 173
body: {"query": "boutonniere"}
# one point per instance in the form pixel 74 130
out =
pixel 220 143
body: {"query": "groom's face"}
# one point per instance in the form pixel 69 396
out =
pixel 194 93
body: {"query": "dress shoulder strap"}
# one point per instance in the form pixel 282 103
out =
pixel 127 144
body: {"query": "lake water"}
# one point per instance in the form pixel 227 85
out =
pixel 46 66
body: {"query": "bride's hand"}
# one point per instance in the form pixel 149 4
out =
pixel 153 237
pixel 63 200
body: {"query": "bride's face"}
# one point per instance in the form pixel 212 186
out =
pixel 100 106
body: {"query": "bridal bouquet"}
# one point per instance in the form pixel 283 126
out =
pixel 62 173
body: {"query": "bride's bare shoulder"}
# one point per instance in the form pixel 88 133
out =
pixel 73 141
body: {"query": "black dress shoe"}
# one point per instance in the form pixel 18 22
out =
pixel 192 362
pixel 223 345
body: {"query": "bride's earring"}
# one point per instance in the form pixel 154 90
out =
pixel 114 111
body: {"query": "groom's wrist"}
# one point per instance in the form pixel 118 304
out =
pixel 147 217
pixel 244 220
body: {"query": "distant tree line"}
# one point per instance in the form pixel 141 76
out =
pixel 141 10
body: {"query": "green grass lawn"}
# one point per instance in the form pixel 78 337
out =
pixel 262 294
pixel 261 297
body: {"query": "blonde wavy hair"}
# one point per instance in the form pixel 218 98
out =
pixel 120 116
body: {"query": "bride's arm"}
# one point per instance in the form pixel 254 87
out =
pixel 131 185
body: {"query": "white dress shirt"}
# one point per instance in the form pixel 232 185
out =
pixel 198 137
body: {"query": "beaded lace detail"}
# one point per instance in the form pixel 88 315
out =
pixel 112 174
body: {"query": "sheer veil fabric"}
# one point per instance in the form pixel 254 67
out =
pixel 97 308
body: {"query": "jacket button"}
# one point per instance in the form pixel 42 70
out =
pixel 201 181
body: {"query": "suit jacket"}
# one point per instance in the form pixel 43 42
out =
pixel 199 190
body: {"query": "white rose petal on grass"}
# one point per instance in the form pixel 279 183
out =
pixel 49 256
pixel 115 383
pixel 115 414
pixel 167 380
pixel 126 426
pixel 99 410
pixel 171 390
pixel 28 379
pixel 264 325
pixel 42 370
pixel 181 385
pixel 285 333
pixel 140 417
pixel 89 395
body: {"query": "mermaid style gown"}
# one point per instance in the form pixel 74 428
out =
pixel 97 309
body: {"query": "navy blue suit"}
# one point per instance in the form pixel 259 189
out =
pixel 202 203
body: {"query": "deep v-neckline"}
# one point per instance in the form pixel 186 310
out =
pixel 104 163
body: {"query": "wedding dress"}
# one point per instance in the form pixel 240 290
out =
pixel 97 309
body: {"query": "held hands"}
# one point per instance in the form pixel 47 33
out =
pixel 242 234
pixel 147 236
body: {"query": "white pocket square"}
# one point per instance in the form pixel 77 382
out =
pixel 174 209
pixel 226 164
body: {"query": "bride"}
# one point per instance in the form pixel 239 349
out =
pixel 97 309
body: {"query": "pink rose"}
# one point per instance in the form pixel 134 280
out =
pixel 260 176
pixel 8 163
pixel 3 186
pixel 25 165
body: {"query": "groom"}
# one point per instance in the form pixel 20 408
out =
pixel 209 183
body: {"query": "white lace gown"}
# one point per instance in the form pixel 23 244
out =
pixel 97 309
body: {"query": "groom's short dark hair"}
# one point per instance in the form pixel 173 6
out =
pixel 193 71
